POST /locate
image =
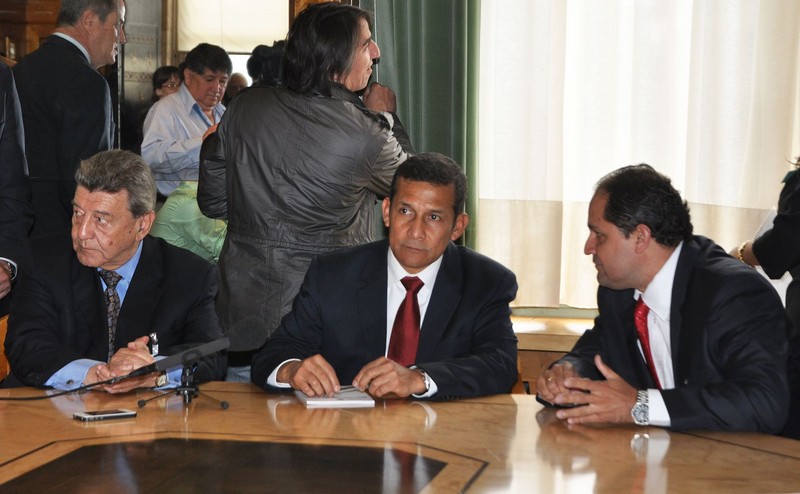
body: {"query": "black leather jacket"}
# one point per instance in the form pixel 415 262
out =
pixel 295 175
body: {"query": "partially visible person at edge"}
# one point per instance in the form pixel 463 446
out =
pixel 16 214
pixel 777 251
pixel 298 171
pixel 686 337
pixel 66 104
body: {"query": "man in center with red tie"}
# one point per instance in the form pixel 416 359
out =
pixel 687 337
pixel 414 315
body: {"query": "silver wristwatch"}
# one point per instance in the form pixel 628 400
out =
pixel 426 380
pixel 641 411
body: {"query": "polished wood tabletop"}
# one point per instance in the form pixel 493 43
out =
pixel 271 443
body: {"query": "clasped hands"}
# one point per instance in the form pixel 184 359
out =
pixel 382 378
pixel 125 361
pixel 608 401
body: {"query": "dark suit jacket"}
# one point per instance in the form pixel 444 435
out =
pixel 66 109
pixel 728 332
pixel 59 315
pixel 466 345
pixel 16 215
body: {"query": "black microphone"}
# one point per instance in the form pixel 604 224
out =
pixel 183 359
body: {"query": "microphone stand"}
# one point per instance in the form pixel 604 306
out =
pixel 188 389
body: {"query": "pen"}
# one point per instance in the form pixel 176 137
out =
pixel 153 344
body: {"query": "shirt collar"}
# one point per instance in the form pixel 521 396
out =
pixel 190 105
pixel 126 270
pixel 76 43
pixel 658 294
pixel 397 273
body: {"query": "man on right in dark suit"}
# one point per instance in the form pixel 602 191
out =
pixel 687 337
pixel 357 317
pixel 66 104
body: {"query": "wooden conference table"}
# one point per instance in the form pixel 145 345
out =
pixel 271 443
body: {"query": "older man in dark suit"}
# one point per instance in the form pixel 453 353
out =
pixel 345 325
pixel 85 313
pixel 687 337
pixel 66 103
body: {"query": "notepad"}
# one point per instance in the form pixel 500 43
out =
pixel 347 397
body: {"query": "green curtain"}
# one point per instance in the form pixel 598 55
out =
pixel 429 57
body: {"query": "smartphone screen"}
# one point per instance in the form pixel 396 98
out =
pixel 104 414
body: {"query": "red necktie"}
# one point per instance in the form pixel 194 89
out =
pixel 405 331
pixel 640 320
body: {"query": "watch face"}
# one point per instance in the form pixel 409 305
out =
pixel 640 413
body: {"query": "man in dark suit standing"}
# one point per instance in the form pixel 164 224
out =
pixel 84 313
pixel 15 209
pixel 687 337
pixel 342 327
pixel 66 103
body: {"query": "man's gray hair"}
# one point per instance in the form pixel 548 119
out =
pixel 115 170
pixel 71 10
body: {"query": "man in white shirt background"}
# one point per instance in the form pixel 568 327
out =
pixel 176 124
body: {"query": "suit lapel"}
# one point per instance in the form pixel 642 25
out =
pixel 144 291
pixel 442 304
pixel 91 325
pixel 679 337
pixel 371 296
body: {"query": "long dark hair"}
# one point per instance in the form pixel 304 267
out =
pixel 320 46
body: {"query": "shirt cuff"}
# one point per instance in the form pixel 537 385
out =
pixel 272 380
pixel 173 376
pixel 13 266
pixel 659 415
pixel 431 391
pixel 72 375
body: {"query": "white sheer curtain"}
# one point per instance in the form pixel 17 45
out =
pixel 704 91
pixel 236 25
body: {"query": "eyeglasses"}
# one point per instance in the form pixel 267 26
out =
pixel 171 85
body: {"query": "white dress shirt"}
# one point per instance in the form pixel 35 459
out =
pixel 658 297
